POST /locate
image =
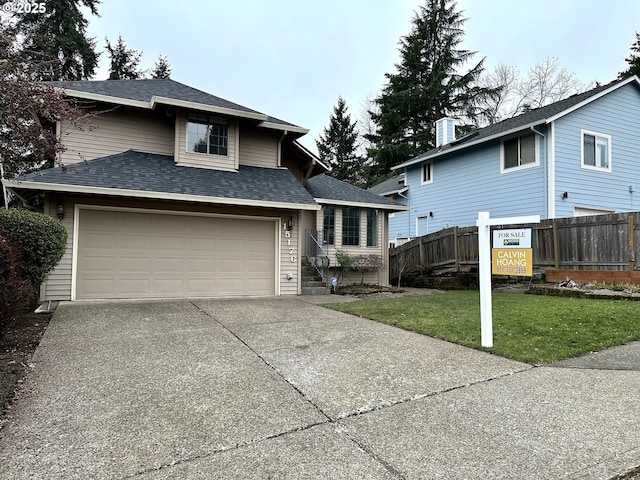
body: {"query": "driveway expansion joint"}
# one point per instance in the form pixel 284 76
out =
pixel 386 465
pixel 266 362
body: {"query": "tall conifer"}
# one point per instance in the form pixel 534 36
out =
pixel 633 60
pixel 338 146
pixel 60 33
pixel 429 84
pixel 123 61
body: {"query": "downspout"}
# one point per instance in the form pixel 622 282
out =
pixel 546 171
pixel 284 134
pixel 310 171
pixel 408 217
pixel 4 189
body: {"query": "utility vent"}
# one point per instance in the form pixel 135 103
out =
pixel 445 131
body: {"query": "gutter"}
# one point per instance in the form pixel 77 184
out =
pixel 284 134
pixel 546 169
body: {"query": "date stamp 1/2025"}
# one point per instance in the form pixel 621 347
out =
pixel 20 7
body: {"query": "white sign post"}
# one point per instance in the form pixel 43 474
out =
pixel 484 224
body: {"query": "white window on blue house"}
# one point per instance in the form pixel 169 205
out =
pixel 596 151
pixel 519 152
pixel 426 174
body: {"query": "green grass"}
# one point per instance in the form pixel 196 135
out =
pixel 535 329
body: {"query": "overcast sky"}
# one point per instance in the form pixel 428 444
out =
pixel 292 58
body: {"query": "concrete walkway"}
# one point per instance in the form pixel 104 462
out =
pixel 282 388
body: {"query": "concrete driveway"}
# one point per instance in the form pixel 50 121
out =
pixel 280 388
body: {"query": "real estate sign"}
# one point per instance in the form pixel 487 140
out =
pixel 511 253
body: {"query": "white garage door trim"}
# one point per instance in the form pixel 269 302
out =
pixel 76 222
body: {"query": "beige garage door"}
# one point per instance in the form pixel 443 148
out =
pixel 125 254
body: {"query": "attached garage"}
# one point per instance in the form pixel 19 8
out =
pixel 125 253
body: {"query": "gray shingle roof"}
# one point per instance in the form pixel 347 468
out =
pixel 143 90
pixel 147 172
pixel 329 188
pixel 535 116
pixel 391 185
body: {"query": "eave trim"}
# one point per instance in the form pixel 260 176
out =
pixel 346 203
pixel 117 192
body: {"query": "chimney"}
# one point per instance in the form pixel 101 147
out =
pixel 445 131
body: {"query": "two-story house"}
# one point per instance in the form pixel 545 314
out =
pixel 179 193
pixel 577 156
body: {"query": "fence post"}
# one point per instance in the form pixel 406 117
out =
pixel 632 244
pixel 420 254
pixel 456 248
pixel 556 245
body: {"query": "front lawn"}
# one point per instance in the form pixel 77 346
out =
pixel 535 329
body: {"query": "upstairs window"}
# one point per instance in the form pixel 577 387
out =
pixel 207 134
pixel 329 225
pixel 351 226
pixel 519 152
pixel 427 173
pixel 596 151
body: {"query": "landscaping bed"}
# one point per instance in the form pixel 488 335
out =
pixel 594 290
pixel 20 339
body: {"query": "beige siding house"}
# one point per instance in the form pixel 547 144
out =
pixel 179 193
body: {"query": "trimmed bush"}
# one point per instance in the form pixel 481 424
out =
pixel 42 241
pixel 14 292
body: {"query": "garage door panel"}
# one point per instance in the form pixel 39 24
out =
pixel 100 240
pixel 168 265
pixel 168 243
pixel 129 264
pixel 134 255
pixel 128 241
pixel 199 244
pixel 200 265
pixel 132 287
pixel 98 264
pixel 258 266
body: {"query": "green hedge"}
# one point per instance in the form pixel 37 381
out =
pixel 42 241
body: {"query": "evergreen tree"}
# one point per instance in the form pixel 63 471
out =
pixel 633 60
pixel 162 69
pixel 60 32
pixel 429 85
pixel 123 61
pixel 337 146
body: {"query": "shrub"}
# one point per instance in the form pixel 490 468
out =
pixel 359 263
pixel 14 291
pixel 42 241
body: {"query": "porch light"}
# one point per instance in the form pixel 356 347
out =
pixel 60 210
pixel 290 223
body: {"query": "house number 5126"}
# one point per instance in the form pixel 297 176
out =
pixel 287 235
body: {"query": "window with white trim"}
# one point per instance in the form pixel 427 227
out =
pixel 207 134
pixel 351 226
pixel 596 151
pixel 426 173
pixel 329 224
pixel 372 228
pixel 519 152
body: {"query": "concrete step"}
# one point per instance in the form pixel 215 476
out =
pixel 316 290
pixel 311 278
pixel 317 283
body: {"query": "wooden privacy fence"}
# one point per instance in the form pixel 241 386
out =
pixel 599 243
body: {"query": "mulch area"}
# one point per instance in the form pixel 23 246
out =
pixel 17 345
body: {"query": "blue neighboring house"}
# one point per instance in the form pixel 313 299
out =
pixel 578 156
pixel 395 189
